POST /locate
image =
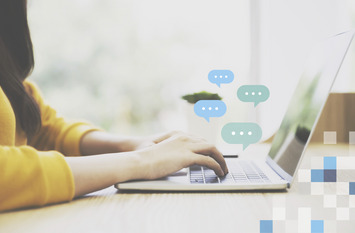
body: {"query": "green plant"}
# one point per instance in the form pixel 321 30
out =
pixel 203 95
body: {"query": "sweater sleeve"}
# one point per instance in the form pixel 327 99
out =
pixel 56 133
pixel 33 178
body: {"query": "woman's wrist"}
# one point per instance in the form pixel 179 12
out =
pixel 92 173
pixel 128 166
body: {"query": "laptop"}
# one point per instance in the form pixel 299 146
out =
pixel 279 167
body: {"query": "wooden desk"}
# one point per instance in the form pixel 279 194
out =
pixel 111 211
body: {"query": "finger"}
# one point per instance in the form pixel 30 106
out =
pixel 197 137
pixel 210 150
pixel 183 139
pixel 163 136
pixel 209 162
pixel 146 144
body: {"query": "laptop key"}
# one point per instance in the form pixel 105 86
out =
pixel 195 168
pixel 197 181
pixel 241 181
pixel 227 179
pixel 211 180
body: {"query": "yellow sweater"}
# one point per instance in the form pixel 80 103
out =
pixel 35 173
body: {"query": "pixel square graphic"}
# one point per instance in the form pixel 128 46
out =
pixel 337 202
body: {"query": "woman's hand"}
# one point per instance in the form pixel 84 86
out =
pixel 166 154
pixel 174 151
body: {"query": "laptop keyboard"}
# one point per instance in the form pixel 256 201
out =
pixel 241 172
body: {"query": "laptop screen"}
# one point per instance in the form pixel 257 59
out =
pixel 307 102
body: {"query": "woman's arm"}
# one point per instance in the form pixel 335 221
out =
pixel 92 173
pixel 29 177
pixel 95 172
pixel 100 142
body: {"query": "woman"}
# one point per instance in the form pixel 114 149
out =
pixel 34 141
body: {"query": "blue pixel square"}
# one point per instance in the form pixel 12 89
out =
pixel 266 226
pixel 317 175
pixel 330 162
pixel 317 226
pixel 330 175
pixel 351 188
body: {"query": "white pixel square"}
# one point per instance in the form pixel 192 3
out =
pixel 352 150
pixel 352 201
pixel 352 137
pixel 279 201
pixel 345 163
pixel 304 219
pixel 279 226
pixel 278 213
pixel 330 137
pixel 330 201
pixel 330 226
pixel 342 188
pixel 330 188
pixel 342 213
pixel 304 175
pixel 317 188
pixel 291 226
pixel 317 162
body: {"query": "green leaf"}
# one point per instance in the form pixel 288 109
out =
pixel 203 95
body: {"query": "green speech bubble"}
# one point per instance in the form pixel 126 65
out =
pixel 241 133
pixel 253 93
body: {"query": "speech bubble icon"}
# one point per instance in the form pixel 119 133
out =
pixel 253 93
pixel 241 133
pixel 210 108
pixel 220 76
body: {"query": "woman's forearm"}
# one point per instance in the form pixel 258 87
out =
pixel 92 173
pixel 99 142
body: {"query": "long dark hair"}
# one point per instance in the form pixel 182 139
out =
pixel 17 62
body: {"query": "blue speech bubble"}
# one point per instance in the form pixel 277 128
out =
pixel 241 133
pixel 220 76
pixel 210 108
pixel 253 93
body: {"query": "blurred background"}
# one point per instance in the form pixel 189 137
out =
pixel 124 64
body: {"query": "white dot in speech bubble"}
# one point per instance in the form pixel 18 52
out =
pixel 241 133
pixel 233 133
pixel 250 133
